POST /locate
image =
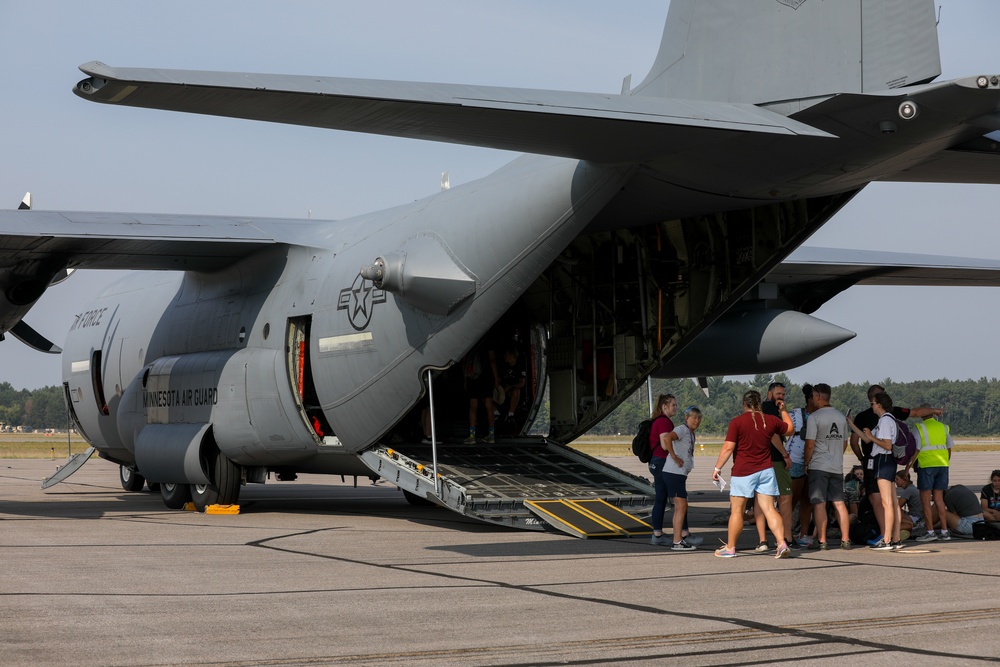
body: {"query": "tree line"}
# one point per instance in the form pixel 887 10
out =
pixel 971 407
pixel 36 409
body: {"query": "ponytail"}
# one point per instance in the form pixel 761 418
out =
pixel 751 399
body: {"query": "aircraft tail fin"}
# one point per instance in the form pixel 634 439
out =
pixel 761 51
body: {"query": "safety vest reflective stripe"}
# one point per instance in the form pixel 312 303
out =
pixel 933 444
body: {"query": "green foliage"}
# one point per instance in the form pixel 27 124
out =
pixel 971 407
pixel 38 409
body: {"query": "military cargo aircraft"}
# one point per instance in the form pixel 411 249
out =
pixel 647 232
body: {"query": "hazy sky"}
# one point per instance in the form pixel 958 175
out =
pixel 75 155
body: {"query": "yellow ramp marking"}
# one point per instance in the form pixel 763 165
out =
pixel 619 519
pixel 570 518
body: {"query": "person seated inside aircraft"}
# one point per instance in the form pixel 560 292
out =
pixel 512 378
pixel 990 498
pixel 481 378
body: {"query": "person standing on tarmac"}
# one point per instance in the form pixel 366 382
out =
pixel 826 442
pixel 883 466
pixel 748 441
pixel 662 416
pixel 933 459
pixel 679 445
pixel 867 419
pixel 782 463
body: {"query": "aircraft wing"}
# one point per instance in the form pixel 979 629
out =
pixel 139 241
pixel 811 276
pixel 586 126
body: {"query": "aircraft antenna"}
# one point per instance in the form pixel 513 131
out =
pixel 445 181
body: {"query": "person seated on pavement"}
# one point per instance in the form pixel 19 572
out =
pixel 963 510
pixel 990 498
pixel 854 491
pixel 909 497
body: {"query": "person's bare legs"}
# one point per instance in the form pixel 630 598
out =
pixel 843 520
pixel 819 516
pixel 761 522
pixel 800 493
pixel 890 510
pixel 785 508
pixel 876 501
pixel 737 505
pixel 774 521
pixel 680 511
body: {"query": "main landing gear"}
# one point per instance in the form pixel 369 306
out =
pixel 226 479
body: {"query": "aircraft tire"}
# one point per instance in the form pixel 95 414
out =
pixel 225 487
pixel 130 478
pixel 175 496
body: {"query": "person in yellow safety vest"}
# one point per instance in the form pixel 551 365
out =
pixel 934 445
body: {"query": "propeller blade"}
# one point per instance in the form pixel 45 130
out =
pixel 24 333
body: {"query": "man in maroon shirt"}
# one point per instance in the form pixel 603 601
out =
pixel 748 441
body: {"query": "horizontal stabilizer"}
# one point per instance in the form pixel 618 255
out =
pixel 975 162
pixel 587 126
pixel 873 267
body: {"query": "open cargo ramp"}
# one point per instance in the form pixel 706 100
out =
pixel 509 484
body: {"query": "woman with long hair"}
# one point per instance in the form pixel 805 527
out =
pixel 748 441
pixel 883 465
pixel 662 416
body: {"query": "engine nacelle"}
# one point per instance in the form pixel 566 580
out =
pixel 179 407
pixel 756 341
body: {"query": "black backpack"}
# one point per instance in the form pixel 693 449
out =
pixel 640 443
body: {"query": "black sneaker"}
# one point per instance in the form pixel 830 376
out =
pixel 881 545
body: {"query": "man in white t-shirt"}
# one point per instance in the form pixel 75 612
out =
pixel 826 440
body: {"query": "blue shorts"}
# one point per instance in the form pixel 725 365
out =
pixel 760 482
pixel 932 479
pixel 965 524
pixel 676 485
pixel 884 467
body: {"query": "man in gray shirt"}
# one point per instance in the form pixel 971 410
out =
pixel 826 439
pixel 963 508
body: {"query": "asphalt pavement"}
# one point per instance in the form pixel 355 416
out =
pixel 317 572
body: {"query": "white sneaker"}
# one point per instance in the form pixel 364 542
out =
pixel 682 546
pixel 929 537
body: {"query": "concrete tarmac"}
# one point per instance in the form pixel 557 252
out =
pixel 317 572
